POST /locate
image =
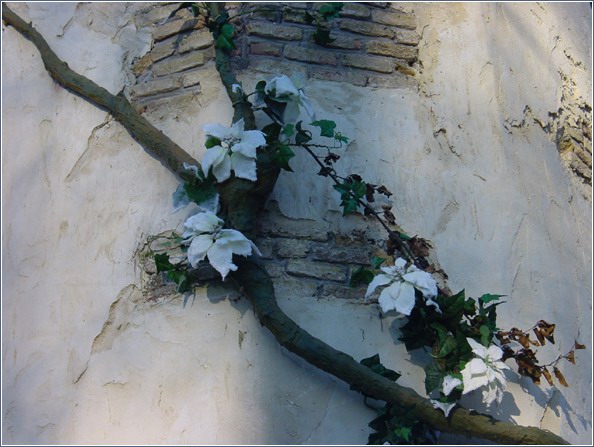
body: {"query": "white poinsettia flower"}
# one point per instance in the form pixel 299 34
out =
pixel 400 295
pixel 283 89
pixel 237 151
pixel 443 406
pixel 449 383
pixel 485 370
pixel 207 238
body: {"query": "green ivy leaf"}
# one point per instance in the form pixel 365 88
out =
pixel 288 130
pixel 200 192
pixel 349 206
pixel 359 189
pixel 272 132
pixel 433 377
pixel 227 30
pixel 212 142
pixel 260 86
pixel 339 137
pixel 281 156
pixel 322 37
pixel 303 136
pixel 403 433
pixel 225 39
pixel 486 335
pixel 331 10
pixel 487 298
pixel 182 279
pixel 376 262
pixel 452 307
pixel 361 276
pixel 447 347
pixel 163 263
pixel 326 127
pixel 375 365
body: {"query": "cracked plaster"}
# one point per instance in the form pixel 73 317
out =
pixel 86 359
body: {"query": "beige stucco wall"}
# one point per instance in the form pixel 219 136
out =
pixel 80 198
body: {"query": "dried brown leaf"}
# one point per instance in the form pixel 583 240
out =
pixel 559 376
pixel 548 376
pixel 579 346
pixel 524 340
pixel 571 356
pixel 540 337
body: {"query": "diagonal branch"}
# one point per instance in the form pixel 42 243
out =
pixel 259 289
pixel 243 200
pixel 155 142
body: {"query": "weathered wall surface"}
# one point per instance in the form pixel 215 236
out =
pixel 485 141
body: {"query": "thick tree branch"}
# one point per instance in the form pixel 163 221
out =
pixel 259 289
pixel 242 200
pixel 152 139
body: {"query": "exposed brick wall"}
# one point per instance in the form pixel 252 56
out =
pixel 375 45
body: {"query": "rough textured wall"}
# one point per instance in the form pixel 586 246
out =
pixel 477 150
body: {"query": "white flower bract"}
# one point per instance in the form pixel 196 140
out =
pixel 449 383
pixel 207 239
pixel 400 295
pixel 283 89
pixel 237 151
pixel 485 370
pixel 443 406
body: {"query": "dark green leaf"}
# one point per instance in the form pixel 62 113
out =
pixel 224 43
pixel 344 190
pixel 303 136
pixel 281 156
pixel 361 276
pixel 309 19
pixel 201 191
pixel 403 236
pixel 163 263
pixel 260 86
pixel 227 30
pixel 452 306
pixel 375 365
pixel 288 130
pixel 211 142
pixel 322 37
pixel 181 278
pixel 403 433
pixel 349 206
pixel 447 347
pixel 487 297
pixel 272 132
pixel 339 137
pixel 486 335
pixel 441 330
pixel 326 127
pixel 433 377
pixel 416 333
pixel 376 262
pixel 331 10
pixel 359 189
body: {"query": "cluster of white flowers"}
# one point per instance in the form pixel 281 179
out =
pixel 485 370
pixel 237 152
pixel 207 238
pixel 400 295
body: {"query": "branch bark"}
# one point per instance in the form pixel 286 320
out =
pixel 242 201
pixel 155 142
